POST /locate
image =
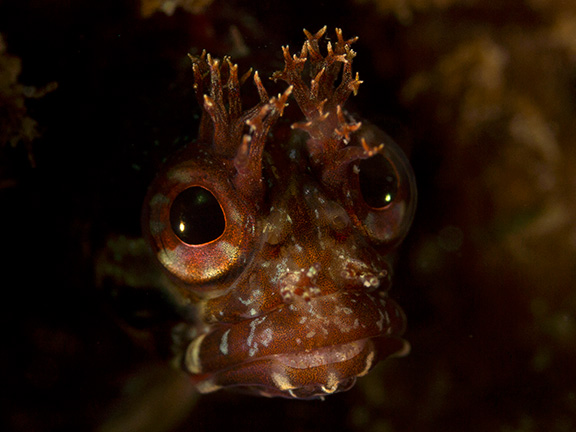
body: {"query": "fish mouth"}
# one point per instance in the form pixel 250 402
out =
pixel 305 350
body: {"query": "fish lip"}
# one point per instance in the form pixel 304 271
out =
pixel 319 373
pixel 340 328
pixel 320 356
pixel 334 354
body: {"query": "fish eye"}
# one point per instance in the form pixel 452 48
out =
pixel 378 181
pixel 383 192
pixel 196 216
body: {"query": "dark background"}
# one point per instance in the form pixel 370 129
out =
pixel 482 96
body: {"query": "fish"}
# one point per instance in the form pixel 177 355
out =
pixel 276 233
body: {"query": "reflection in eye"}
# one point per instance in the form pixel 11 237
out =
pixel 196 216
pixel 378 181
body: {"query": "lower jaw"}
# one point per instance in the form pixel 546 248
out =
pixel 306 375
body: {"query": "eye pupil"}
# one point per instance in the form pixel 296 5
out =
pixel 378 181
pixel 196 216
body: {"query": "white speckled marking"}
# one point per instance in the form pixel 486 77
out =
pixel 281 381
pixel 193 355
pixel 246 302
pixel 254 295
pixel 331 383
pixel 380 322
pixel 207 386
pixel 224 342
pixel 312 272
pixel 369 361
pixel 267 336
pixel 253 349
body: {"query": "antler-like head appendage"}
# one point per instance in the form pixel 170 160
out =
pixel 224 123
pixel 321 84
pixel 322 101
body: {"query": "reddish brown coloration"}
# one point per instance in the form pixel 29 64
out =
pixel 291 292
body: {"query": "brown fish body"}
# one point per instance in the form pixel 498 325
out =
pixel 278 238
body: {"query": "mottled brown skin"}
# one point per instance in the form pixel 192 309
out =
pixel 292 298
